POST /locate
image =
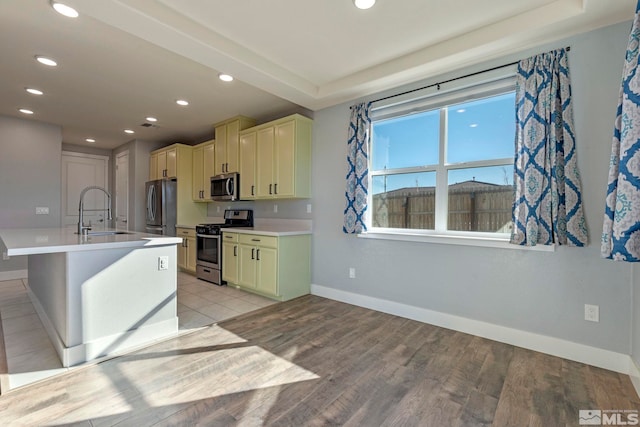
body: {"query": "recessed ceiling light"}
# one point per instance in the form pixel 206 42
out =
pixel 182 102
pixel 152 119
pixel 91 140
pixel 461 110
pixel 25 111
pixel 364 4
pixel 65 10
pixel 33 91
pixel 46 61
pixel 128 131
pixel 225 77
pixel 473 125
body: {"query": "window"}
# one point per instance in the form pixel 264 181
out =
pixel 444 165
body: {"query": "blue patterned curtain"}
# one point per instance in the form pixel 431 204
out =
pixel 358 165
pixel 620 237
pixel 547 207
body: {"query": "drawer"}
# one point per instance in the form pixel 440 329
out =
pixel 258 240
pixel 229 237
pixel 185 232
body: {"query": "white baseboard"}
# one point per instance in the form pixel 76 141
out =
pixel 594 356
pixel 13 275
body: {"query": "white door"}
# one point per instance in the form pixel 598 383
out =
pixel 121 211
pixel 79 171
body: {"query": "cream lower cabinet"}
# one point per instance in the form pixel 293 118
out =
pixel 187 250
pixel 276 267
pixel 230 257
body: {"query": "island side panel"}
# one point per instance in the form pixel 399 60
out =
pixel 47 284
pixel 118 299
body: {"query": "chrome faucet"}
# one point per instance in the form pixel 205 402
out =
pixel 82 229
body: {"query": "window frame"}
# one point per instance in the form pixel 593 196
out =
pixel 438 99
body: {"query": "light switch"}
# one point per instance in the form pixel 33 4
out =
pixel 42 210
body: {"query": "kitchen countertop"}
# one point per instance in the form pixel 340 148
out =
pixel 269 230
pixel 28 241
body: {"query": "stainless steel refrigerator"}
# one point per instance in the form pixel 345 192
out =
pixel 161 207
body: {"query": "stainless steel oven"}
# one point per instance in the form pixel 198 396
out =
pixel 208 257
pixel 209 244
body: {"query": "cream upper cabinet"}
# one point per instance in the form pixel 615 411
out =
pixel 283 158
pixel 265 166
pixel 176 162
pixel 227 143
pixel 248 166
pixel 164 164
pixel 202 170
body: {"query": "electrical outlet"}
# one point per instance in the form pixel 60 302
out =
pixel 275 208
pixel 591 313
pixel 42 210
pixel 309 208
pixel 352 273
pixel 163 263
pixel 218 209
pixel 5 256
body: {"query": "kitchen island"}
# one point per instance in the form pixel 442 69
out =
pixel 101 294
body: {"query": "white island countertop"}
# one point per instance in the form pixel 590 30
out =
pixel 29 241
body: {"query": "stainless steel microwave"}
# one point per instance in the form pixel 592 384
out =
pixel 225 187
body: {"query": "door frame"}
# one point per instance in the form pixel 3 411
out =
pixel 63 188
pixel 115 188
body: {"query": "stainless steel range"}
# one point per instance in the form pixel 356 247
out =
pixel 209 243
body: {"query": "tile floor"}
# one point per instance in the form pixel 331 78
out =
pixel 31 356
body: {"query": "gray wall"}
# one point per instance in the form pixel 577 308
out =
pixel 540 292
pixel 30 160
pixel 287 209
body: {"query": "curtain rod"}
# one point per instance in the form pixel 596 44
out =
pixel 568 48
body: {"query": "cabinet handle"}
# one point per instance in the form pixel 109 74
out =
pixel 235 251
pixel 227 166
pixel 275 188
pixel 255 240
pixel 270 185
pixel 258 255
pixel 252 189
pixel 186 243
pixel 253 251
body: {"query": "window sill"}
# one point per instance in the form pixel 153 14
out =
pixel 487 242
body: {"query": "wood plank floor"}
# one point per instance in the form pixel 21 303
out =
pixel 317 362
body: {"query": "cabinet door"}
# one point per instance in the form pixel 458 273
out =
pixel 233 141
pixel 267 270
pixel 247 266
pixel 153 167
pixel 230 262
pixel 264 162
pixel 220 149
pixel 162 165
pixel 208 168
pixel 285 140
pixel 197 174
pixel 172 163
pixel 182 255
pixel 191 253
pixel 248 166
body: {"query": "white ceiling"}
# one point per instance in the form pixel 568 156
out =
pixel 121 61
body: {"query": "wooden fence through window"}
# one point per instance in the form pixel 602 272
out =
pixel 487 209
